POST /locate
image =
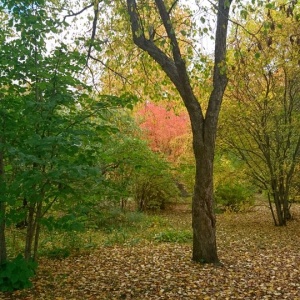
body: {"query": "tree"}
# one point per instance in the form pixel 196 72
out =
pixel 50 125
pixel 264 87
pixel 204 124
pixel 162 126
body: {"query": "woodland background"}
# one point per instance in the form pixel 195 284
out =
pixel 97 169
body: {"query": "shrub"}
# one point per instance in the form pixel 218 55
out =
pixel 16 274
pixel 233 197
pixel 152 193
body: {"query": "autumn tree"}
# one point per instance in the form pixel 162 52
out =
pixel 263 101
pixel 162 127
pixel 204 124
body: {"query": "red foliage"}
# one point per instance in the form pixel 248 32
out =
pixel 163 127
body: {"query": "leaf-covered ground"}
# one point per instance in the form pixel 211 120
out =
pixel 260 261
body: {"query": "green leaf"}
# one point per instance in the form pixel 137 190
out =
pixel 257 55
pixel 244 14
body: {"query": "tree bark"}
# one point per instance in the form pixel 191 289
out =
pixel 204 128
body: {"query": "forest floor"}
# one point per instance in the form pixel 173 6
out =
pixel 260 261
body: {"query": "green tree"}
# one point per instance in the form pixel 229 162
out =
pixel 51 128
pixel 132 170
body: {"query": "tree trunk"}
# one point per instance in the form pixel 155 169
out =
pixel 280 193
pixel 272 210
pixel 203 217
pixel 3 252
pixel 204 128
pixel 30 231
pixel 37 230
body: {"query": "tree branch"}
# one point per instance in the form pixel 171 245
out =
pixel 156 53
pixel 109 68
pixel 172 6
pixel 220 69
pixel 94 27
pixel 169 29
pixel 174 67
pixel 79 12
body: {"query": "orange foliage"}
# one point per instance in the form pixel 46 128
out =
pixel 163 127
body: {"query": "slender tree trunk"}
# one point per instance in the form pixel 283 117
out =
pixel 37 230
pixel 272 210
pixel 30 231
pixel 3 251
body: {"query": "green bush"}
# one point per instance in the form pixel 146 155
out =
pixel 152 193
pixel 16 274
pixel 233 197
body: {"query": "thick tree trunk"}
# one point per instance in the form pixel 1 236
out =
pixel 3 252
pixel 204 223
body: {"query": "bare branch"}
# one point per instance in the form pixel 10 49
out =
pixel 94 28
pixel 73 14
pixel 93 78
pixel 170 30
pixel 172 6
pixel 109 68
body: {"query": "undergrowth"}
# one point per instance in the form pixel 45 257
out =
pixel 112 227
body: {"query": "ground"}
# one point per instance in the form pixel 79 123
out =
pixel 260 261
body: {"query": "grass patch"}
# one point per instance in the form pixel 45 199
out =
pixel 173 236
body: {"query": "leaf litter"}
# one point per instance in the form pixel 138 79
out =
pixel 259 261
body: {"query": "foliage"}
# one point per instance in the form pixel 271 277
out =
pixel 167 131
pixel 234 196
pixel 154 187
pixel 162 126
pixel 130 69
pixel 137 172
pixel 16 274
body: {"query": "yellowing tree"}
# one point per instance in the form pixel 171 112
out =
pixel 263 118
